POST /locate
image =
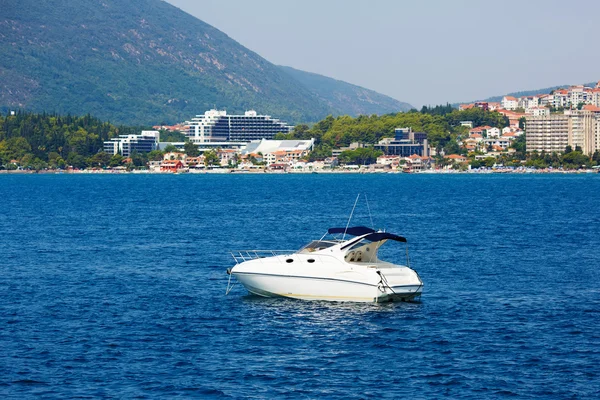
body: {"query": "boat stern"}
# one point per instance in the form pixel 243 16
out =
pixel 401 283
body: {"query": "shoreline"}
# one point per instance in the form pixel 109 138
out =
pixel 334 172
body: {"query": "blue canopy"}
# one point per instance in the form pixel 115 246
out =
pixel 353 231
pixel 376 237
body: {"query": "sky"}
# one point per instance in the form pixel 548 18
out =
pixel 424 52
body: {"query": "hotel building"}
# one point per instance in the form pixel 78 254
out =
pixel 554 132
pixel 405 143
pixel 127 144
pixel 218 126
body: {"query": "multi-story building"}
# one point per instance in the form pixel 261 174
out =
pixel 578 95
pixel 127 144
pixel 483 105
pixel 509 103
pixel 503 143
pixel 595 97
pixel 405 143
pixel 560 98
pixel 513 117
pixel 554 132
pixel 526 102
pixel 494 105
pixel 545 99
pixel 218 126
pixel 485 131
pixel 537 111
pixel 547 133
pixel 582 129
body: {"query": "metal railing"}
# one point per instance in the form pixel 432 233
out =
pixel 283 255
pixel 245 255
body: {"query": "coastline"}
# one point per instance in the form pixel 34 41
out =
pixel 325 172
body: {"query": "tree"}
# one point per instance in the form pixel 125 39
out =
pixel 139 159
pixel 438 110
pixel 53 158
pixel 476 163
pixel 301 131
pixel 171 136
pixel 234 162
pixel 14 148
pixel 171 149
pixel 361 156
pixel 100 160
pixel 451 148
pixel 576 160
pixel 568 149
pixel 211 158
pixel 320 152
pixel 489 162
pixel 76 160
pixel 155 155
pixel 115 160
pixel 284 136
pixel 191 149
pixel 519 144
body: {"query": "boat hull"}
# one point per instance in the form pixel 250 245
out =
pixel 345 286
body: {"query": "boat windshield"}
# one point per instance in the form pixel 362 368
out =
pixel 317 245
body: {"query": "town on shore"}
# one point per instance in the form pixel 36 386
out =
pixel 557 132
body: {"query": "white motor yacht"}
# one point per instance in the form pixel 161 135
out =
pixel 335 269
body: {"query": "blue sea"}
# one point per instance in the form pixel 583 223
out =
pixel 114 286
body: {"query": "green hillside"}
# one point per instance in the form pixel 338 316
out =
pixel 136 62
pixel 345 97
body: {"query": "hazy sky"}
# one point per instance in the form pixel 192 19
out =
pixel 419 51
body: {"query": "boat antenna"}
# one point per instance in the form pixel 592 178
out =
pixel 369 208
pixel 349 219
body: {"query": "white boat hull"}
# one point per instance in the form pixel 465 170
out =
pixel 349 283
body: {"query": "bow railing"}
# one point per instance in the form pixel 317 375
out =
pixel 246 255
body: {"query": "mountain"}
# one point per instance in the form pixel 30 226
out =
pixel 142 62
pixel 346 97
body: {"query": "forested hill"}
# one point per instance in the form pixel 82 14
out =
pixel 345 97
pixel 139 62
pixel 42 140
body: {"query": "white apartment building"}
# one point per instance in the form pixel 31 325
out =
pixel 217 126
pixel 595 97
pixel 526 102
pixel 577 95
pixel 582 130
pixel 560 98
pixel 500 142
pixel 555 132
pixel 537 111
pixel 545 99
pixel 547 133
pixel 493 132
pixel 509 103
pixel 127 144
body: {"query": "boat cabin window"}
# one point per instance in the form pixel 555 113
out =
pixel 316 245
